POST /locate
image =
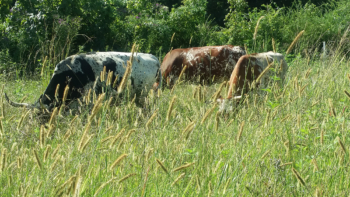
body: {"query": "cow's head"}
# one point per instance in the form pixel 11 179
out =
pixel 74 72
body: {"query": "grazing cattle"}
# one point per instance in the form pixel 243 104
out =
pixel 248 69
pixel 81 72
pixel 206 62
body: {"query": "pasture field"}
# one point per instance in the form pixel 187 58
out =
pixel 291 139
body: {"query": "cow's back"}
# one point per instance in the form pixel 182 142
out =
pixel 202 61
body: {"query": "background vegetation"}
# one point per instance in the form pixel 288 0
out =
pixel 32 30
pixel 290 139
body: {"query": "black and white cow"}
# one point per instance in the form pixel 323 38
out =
pixel 81 72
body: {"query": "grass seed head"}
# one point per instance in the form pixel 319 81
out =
pixel 178 179
pixel 117 161
pixel 297 175
pixel 126 177
pixel 183 167
pixel 3 159
pixel 47 151
pixel 171 106
pixel 240 131
pixel 36 157
pixel 162 166
pixel 209 111
pixel 151 118
pixel 294 42
pixel 256 27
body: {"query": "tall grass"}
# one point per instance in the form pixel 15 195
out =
pixel 287 141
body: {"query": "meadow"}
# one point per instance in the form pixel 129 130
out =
pixel 290 139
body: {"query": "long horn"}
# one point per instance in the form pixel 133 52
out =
pixel 14 104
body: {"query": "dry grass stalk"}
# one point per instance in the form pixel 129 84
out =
pixel 178 179
pixel 126 177
pixel 265 154
pixel 195 92
pixel 106 139
pixel 256 27
pixel 117 161
pixel 115 81
pixel 188 128
pixel 19 162
pixel 183 167
pixel 151 118
pixel 240 131
pixel 209 189
pixel 131 131
pixel 322 136
pixel 286 145
pixel 229 123
pixel 73 120
pixel 3 159
pixel 332 110
pixel 53 115
pixel 162 166
pixel 43 67
pixel 127 71
pixel 285 118
pixel 267 119
pixel 24 98
pixel 341 144
pixel 46 153
pixel 21 120
pixel 65 94
pixel 209 111
pixel 51 128
pixel 315 165
pixel 318 192
pixel 171 106
pixel 294 42
pixel 54 153
pixel 199 93
pixel 172 38
pixel 88 97
pixel 103 74
pixel 53 165
pixel 98 105
pixel 297 175
pixel 347 94
pixel 273 45
pixel 217 120
pixel 307 73
pixel 255 82
pixel 302 89
pixel 36 157
pixel 42 136
pixel 286 164
pixel 121 142
pixel 103 185
pixel 77 185
pixel 116 137
pixel 60 189
pixel 87 142
pixel 217 93
pixel 56 92
pixel 84 136
pixel 67 135
pixel 178 79
pixel 1 128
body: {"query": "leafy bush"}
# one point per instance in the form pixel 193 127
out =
pixel 321 23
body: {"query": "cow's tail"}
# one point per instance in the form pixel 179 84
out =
pixel 14 104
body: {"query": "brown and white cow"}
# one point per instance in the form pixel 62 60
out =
pixel 247 71
pixel 205 62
